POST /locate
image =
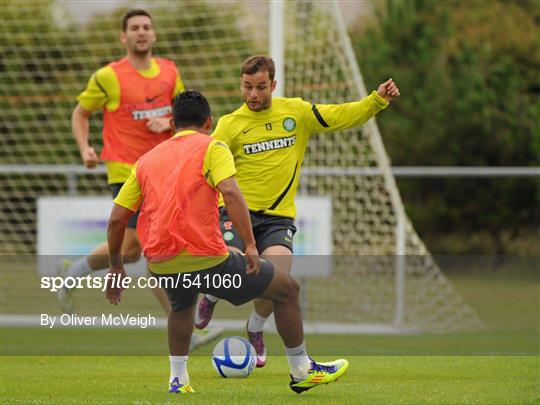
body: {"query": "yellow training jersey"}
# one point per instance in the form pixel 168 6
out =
pixel 268 146
pixel 218 165
pixel 103 91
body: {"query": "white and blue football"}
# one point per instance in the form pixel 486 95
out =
pixel 234 357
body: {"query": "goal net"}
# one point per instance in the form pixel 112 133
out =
pixel 49 50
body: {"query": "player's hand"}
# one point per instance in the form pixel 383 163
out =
pixel 388 90
pixel 158 125
pixel 114 288
pixel 253 260
pixel 89 157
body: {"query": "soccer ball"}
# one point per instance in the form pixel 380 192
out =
pixel 234 357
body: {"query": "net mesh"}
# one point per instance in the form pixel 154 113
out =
pixel 47 57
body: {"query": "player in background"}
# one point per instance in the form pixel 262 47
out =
pixel 268 137
pixel 135 94
pixel 176 186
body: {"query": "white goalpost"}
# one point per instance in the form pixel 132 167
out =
pixel 384 165
pixel 277 46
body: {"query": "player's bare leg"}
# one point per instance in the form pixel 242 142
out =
pixel 180 327
pixel 305 372
pixel 280 257
pixel 283 293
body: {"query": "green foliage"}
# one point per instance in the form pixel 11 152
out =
pixel 469 76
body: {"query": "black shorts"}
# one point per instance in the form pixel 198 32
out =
pixel 240 288
pixel 115 189
pixel 269 230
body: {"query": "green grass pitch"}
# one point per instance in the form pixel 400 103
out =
pixel 423 369
pixel 370 380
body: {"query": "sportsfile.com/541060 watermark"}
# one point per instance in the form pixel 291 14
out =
pixel 186 280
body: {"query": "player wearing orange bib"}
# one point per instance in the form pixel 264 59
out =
pixel 135 94
pixel 176 186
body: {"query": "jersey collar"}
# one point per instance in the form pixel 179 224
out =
pixel 184 133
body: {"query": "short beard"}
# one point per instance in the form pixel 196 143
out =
pixel 263 107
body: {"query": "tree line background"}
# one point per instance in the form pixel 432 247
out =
pixel 469 75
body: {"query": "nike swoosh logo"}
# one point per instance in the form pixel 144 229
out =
pixel 245 131
pixel 149 100
pixel 287 239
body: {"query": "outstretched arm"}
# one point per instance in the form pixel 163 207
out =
pixel 335 117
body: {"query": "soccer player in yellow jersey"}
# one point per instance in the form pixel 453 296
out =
pixel 268 138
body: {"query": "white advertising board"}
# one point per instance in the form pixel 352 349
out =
pixel 69 226
pixel 73 226
pixel 313 239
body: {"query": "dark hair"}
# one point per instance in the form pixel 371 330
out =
pixel 258 63
pixel 190 108
pixel 133 13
